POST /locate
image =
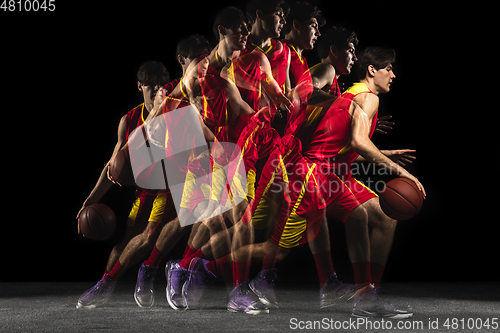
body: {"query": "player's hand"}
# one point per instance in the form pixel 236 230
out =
pixel 284 104
pixel 263 115
pixel 383 125
pixel 408 175
pixel 400 156
pixel 108 172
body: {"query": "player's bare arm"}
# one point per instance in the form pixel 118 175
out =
pixel 103 183
pixel 322 77
pixel 363 110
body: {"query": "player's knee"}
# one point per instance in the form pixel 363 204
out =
pixel 282 254
pixel 359 216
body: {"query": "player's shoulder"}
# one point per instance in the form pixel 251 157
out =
pixel 137 109
pixel 279 45
pixel 321 69
pixel 367 101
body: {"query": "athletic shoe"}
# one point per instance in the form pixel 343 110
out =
pixel 176 277
pixel 98 294
pixel 263 286
pixel 370 305
pixel 242 299
pixel 334 291
pixel 144 293
pixel 199 278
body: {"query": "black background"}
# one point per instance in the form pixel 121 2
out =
pixel 69 75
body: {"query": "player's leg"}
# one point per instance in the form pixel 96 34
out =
pixel 135 249
pixel 117 250
pixel 367 303
pixel 381 238
pixel 137 221
pixel 331 288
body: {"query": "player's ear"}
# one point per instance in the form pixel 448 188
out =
pixel 139 86
pixel 296 25
pixel 333 50
pixel 181 59
pixel 371 70
pixel 259 14
pixel 221 30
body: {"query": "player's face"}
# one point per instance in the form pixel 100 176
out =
pixel 273 23
pixel 383 78
pixel 309 34
pixel 344 59
pixel 237 37
pixel 149 93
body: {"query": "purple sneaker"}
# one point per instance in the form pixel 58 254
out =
pixel 98 294
pixel 176 277
pixel 242 299
pixel 263 286
pixel 334 291
pixel 199 278
pixel 144 294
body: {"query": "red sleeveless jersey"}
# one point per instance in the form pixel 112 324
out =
pixel 134 119
pixel 300 76
pixel 331 141
pixel 277 53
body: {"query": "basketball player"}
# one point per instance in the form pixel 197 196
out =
pixel 149 206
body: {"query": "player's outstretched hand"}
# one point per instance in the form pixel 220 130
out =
pixel 383 125
pixel 400 156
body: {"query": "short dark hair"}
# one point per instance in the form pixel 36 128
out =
pixel 267 6
pixel 378 57
pixel 152 73
pixel 303 12
pixel 340 37
pixel 193 46
pixel 229 17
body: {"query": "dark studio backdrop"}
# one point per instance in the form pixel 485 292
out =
pixel 69 75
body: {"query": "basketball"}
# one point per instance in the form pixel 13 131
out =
pixel 97 222
pixel 121 170
pixel 401 199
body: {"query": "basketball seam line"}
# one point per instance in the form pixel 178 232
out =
pixel 416 210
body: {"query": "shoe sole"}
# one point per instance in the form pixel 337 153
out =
pixel 140 305
pixel 375 315
pixel 262 299
pixel 167 293
pixel 251 312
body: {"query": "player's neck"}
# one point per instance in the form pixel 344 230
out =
pixel 259 38
pixel 293 43
pixel 292 40
pixel 224 53
pixel 147 109
pixel 329 61
pixel 369 83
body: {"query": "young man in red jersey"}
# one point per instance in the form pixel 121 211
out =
pixel 149 206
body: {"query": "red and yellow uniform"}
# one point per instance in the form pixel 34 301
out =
pixel 314 177
pixel 149 205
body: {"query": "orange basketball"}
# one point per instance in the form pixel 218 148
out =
pixel 401 199
pixel 97 222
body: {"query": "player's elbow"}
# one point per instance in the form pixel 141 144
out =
pixel 359 145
